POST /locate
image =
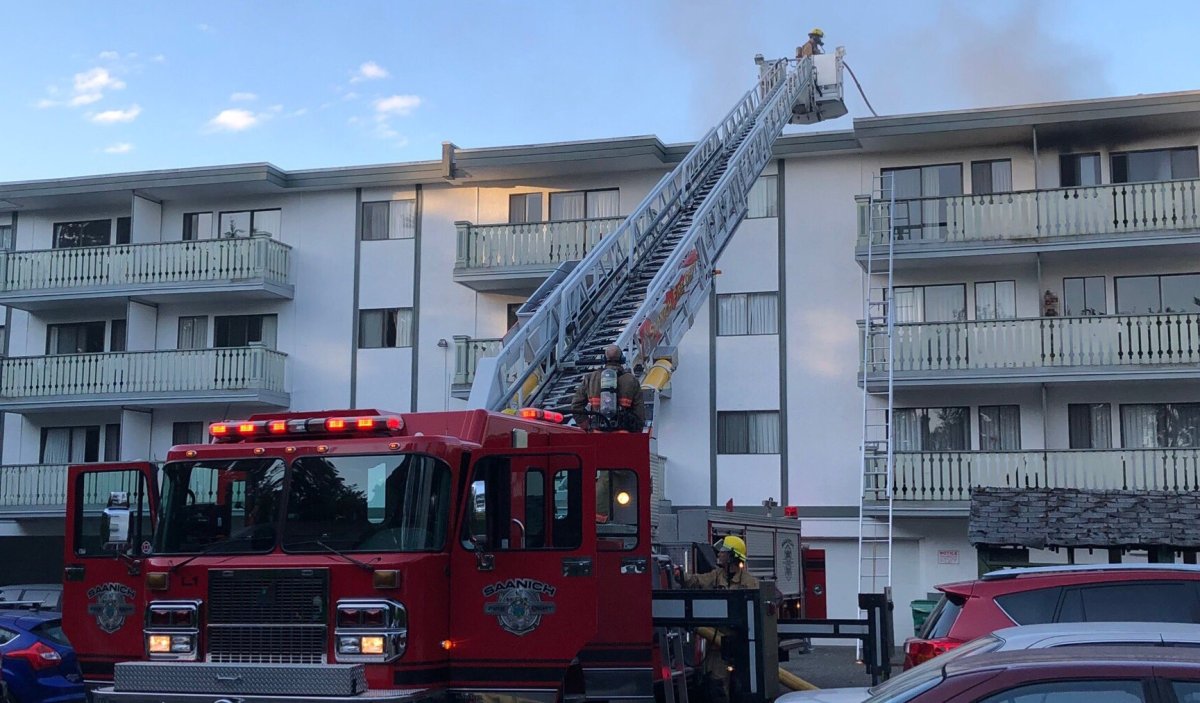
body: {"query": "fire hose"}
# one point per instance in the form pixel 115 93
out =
pixel 786 678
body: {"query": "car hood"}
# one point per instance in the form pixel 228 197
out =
pixel 825 695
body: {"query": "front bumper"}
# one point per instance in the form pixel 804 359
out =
pixel 108 695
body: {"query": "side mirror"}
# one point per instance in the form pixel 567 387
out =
pixel 114 522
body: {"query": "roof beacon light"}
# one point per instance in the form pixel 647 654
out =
pixel 539 414
pixel 335 424
pixel 277 427
pixel 219 429
pixel 365 423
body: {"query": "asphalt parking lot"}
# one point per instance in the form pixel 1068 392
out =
pixel 834 667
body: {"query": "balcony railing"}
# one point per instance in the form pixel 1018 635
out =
pixel 529 244
pixel 31 486
pixel 129 374
pixel 1105 210
pixel 467 353
pixel 950 476
pixel 1037 343
pixel 160 263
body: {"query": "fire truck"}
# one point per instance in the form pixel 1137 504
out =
pixel 487 554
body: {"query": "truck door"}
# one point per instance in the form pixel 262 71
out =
pixel 110 522
pixel 523 571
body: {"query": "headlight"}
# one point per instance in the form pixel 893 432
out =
pixel 370 630
pixel 172 630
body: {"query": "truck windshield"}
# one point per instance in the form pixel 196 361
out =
pixel 222 507
pixel 377 503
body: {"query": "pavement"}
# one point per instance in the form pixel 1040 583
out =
pixel 834 667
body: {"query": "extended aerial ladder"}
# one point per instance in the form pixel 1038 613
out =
pixel 640 287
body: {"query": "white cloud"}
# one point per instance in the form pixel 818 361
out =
pixel 119 148
pixel 369 71
pixel 109 55
pixel 96 80
pixel 85 99
pixel 204 28
pixel 350 96
pixel 243 97
pixel 159 58
pixel 400 105
pixel 233 120
pixel 276 109
pixel 298 113
pixel 114 116
pixel 47 102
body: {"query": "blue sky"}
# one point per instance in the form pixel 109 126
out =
pixel 111 87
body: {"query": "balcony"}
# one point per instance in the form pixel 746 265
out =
pixel 33 490
pixel 467 353
pixel 1039 220
pixel 253 376
pixel 944 480
pixel 244 267
pixel 516 258
pixel 1046 349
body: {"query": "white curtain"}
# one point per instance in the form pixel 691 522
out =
pixel 763 200
pixel 567 206
pixel 403 322
pixel 731 314
pixel 1089 425
pixel 56 448
pixel 945 303
pixel 402 222
pixel 1161 425
pixel 764 432
pixel 603 203
pixel 999 428
pixel 748 313
pixel 1001 176
pixel 753 432
pixel 763 311
pixel 906 430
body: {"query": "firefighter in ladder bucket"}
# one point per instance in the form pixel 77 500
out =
pixel 610 399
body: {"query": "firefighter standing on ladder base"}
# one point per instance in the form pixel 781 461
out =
pixel 814 46
pixel 610 398
pixel 730 574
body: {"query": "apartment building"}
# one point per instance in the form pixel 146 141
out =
pixel 1040 339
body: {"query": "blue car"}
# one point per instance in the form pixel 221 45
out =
pixel 38 662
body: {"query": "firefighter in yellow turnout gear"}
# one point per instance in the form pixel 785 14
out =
pixel 730 573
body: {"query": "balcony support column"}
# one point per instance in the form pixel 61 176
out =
pixel 136 426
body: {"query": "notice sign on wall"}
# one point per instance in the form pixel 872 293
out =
pixel 947 556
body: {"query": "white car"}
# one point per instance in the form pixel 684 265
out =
pixel 908 684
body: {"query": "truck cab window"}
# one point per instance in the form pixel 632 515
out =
pixel 616 510
pixel 97 485
pixel 224 506
pixel 521 503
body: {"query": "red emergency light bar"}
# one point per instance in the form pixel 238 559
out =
pixel 229 431
pixel 539 414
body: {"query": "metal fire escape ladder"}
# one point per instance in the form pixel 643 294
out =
pixel 878 346
pixel 640 285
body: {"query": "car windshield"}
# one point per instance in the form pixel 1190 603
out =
pixel 376 503
pixel 918 676
pixel 221 507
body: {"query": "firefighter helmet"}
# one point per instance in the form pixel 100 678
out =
pixel 817 33
pixel 734 544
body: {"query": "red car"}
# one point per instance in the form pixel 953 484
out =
pixel 1029 596
pixel 1062 675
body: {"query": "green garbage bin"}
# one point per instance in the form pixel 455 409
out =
pixel 920 611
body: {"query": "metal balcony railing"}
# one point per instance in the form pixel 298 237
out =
pixel 528 244
pixel 1101 211
pixel 468 352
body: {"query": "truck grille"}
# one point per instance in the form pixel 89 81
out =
pixel 268 616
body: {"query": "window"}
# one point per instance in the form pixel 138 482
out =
pixel 525 502
pixel 931 303
pixel 748 432
pixel 1030 607
pixel 584 204
pixel 1072 692
pixel 763 200
pixel 75 338
pixel 512 314
pixel 197 225
pixel 1078 170
pixel 920 193
pixel 1089 425
pixel 389 219
pixel 245 223
pixel 996 300
pixel 991 177
pixel 70 445
pixel 124 228
pixel 933 429
pixel 1165 425
pixel 244 330
pixel 6 237
pixel 1139 295
pixel 95 487
pixel 1084 296
pixel 616 510
pixel 193 332
pixel 1186 691
pixel 3 340
pixel 524 207
pixel 748 313
pixel 117 335
pixel 388 327
pixel 1157 165
pixel 999 428
pixel 85 233
pixel 187 433
pixel 112 442
pixel 1132 602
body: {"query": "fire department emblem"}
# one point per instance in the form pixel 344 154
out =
pixel 110 603
pixel 789 558
pixel 518 604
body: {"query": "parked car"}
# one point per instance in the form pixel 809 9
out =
pixel 1030 596
pixel 1062 675
pixel 1013 639
pixel 37 661
pixel 49 595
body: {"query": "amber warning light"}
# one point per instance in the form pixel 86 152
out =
pixel 231 431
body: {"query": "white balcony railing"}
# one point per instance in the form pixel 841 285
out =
pixel 200 261
pixel 1109 340
pixel 33 485
pixel 1120 208
pixel 468 352
pixel 529 243
pixel 950 476
pixel 126 373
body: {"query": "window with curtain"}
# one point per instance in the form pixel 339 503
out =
pixel 1078 170
pixel 246 223
pixel 6 238
pixel 524 207
pixel 124 229
pixel 1165 425
pixel 996 300
pixel 1139 295
pixel 75 338
pixel 389 219
pixel 748 432
pixel 385 328
pixel 920 192
pixel 991 176
pixel 244 330
pixel 932 429
pixel 112 442
pixel 193 332
pixel 117 335
pixel 999 428
pixel 86 233
pixel 747 313
pixel 197 225
pixel 69 445
pixel 585 204
pixel 763 200
pixel 187 433
pixel 946 303
pixel 1155 165
pixel 1084 296
pixel 1089 425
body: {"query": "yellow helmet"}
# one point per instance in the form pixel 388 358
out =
pixel 734 544
pixel 816 32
